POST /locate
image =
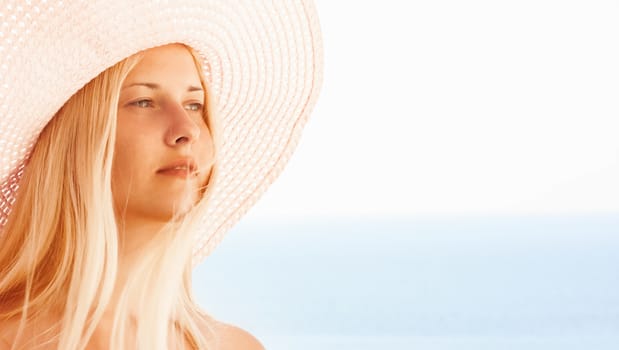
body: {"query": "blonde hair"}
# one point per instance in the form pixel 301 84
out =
pixel 60 244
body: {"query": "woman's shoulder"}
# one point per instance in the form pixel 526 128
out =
pixel 234 338
pixel 8 333
pixel 4 343
pixel 7 330
pixel 230 337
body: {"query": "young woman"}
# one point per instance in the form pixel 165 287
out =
pixel 134 135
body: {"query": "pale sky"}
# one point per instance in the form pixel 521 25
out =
pixel 459 107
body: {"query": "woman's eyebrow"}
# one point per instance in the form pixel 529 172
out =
pixel 154 86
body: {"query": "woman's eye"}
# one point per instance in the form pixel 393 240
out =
pixel 194 107
pixel 143 103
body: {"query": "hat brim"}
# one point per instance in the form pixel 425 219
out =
pixel 263 65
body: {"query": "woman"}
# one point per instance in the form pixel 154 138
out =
pixel 164 124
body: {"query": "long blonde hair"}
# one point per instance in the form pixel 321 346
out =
pixel 60 244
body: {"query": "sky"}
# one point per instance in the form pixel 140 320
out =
pixel 450 107
pixel 442 108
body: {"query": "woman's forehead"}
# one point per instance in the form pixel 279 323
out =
pixel 165 65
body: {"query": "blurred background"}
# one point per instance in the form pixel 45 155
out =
pixel 455 188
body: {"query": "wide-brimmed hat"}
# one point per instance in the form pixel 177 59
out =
pixel 262 61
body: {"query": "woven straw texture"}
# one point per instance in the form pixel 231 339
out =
pixel 263 61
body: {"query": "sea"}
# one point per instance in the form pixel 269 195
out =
pixel 452 282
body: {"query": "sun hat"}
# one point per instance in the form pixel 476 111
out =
pixel 262 61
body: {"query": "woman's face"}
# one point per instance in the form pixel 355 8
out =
pixel 164 149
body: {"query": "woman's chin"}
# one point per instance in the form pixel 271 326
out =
pixel 180 208
pixel 158 212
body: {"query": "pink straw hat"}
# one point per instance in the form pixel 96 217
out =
pixel 262 60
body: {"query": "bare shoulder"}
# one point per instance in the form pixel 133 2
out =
pixel 7 328
pixel 29 334
pixel 4 343
pixel 235 338
pixel 6 335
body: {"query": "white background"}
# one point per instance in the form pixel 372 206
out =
pixel 442 108
pixel 459 107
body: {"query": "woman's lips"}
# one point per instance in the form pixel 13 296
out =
pixel 183 168
pixel 182 173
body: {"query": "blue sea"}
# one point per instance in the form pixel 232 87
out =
pixel 531 282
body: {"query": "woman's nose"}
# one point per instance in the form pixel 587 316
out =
pixel 182 128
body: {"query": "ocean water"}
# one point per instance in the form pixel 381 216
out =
pixel 444 283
